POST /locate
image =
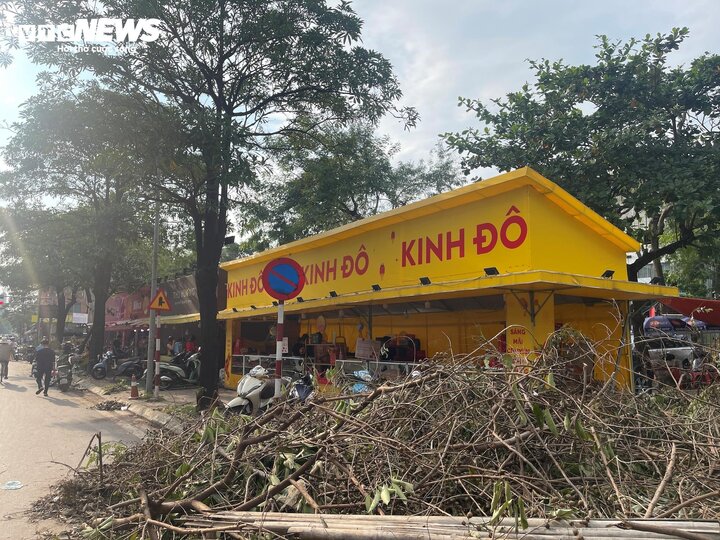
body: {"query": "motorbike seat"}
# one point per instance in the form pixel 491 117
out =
pixel 268 390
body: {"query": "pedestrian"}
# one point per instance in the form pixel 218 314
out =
pixel 178 347
pixel 169 346
pixel 6 354
pixel 190 345
pixel 45 359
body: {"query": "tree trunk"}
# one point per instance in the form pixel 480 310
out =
pixel 632 272
pixel 207 279
pixel 657 263
pixel 101 292
pixel 63 308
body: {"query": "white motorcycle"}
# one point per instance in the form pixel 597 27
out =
pixel 255 392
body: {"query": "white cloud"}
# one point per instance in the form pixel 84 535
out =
pixel 478 49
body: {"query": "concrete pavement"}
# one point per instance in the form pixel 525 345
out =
pixel 161 413
pixel 40 437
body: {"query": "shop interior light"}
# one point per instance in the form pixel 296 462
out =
pixel 608 274
pixel 425 280
pixel 333 294
pixel 491 271
pixel 376 287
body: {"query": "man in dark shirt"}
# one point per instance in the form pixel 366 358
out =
pixel 45 359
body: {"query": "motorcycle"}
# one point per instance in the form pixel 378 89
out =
pixel 302 389
pixel 133 366
pixel 29 354
pixel 183 369
pixel 108 363
pixel 62 374
pixel 255 392
pixel 105 363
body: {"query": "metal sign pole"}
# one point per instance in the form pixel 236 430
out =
pixel 153 291
pixel 279 346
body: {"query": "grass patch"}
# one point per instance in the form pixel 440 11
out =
pixel 182 411
pixel 119 386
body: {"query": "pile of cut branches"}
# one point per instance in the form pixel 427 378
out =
pixel 456 439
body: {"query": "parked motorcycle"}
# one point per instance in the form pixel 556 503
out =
pixel 255 392
pixel 108 364
pixel 62 374
pixel 183 369
pixel 133 366
pixel 302 389
pixel 105 363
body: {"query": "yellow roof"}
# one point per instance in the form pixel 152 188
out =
pixel 480 190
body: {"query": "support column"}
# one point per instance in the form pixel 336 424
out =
pixel 530 319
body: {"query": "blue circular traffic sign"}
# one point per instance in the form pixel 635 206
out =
pixel 283 278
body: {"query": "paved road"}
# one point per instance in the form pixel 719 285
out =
pixel 37 434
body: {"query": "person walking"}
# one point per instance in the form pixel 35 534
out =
pixel 45 359
pixel 6 354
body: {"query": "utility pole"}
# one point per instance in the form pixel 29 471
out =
pixel 152 346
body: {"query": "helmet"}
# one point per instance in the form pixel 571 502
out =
pixel 67 347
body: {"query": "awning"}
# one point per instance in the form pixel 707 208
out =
pixel 179 319
pixel 703 309
pixel 119 326
pixel 536 281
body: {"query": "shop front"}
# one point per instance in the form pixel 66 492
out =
pixel 182 322
pixel 499 264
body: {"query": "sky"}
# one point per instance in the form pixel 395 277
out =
pixel 441 50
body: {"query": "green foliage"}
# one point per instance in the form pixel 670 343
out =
pixel 694 269
pixel 504 503
pixel 631 136
pixel 337 176
pixel 222 78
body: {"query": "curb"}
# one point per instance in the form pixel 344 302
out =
pixel 156 418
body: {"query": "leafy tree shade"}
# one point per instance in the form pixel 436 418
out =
pixel 335 177
pixel 236 72
pixel 631 136
pixel 75 151
pixel 45 248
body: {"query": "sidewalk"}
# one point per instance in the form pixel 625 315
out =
pixel 163 413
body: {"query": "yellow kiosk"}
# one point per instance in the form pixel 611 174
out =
pixel 508 260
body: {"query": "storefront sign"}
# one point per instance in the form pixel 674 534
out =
pixel 478 235
pixel 182 295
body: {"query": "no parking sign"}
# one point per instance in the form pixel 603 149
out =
pixel 283 278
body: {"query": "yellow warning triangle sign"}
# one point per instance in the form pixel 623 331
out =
pixel 160 302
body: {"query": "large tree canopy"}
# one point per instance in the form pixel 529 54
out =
pixel 236 72
pixel 632 136
pixel 77 152
pixel 337 176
